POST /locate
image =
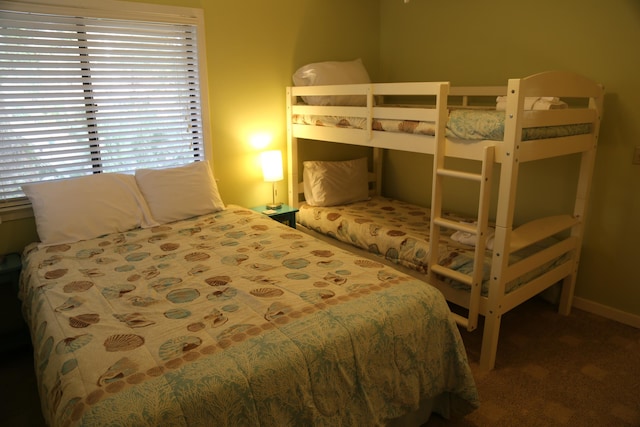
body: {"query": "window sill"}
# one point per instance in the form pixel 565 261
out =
pixel 12 214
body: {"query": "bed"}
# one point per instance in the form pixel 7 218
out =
pixel 222 318
pixel 542 116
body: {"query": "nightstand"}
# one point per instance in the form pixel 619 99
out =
pixel 13 330
pixel 286 214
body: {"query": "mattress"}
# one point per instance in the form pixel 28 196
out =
pixel 473 125
pixel 399 232
pixel 233 319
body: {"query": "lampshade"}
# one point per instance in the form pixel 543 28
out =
pixel 271 162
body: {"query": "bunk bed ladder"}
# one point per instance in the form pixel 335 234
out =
pixel 478 229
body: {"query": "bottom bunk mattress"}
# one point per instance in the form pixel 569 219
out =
pixel 234 319
pixel 399 232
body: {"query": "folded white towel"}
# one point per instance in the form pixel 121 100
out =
pixel 471 239
pixel 534 103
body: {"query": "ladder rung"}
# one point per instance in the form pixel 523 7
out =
pixel 453 274
pixel 463 321
pixel 460 174
pixel 456 225
pixel 460 320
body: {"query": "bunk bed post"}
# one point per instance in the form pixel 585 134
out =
pixel 377 169
pixel 587 164
pixel 504 225
pixel 292 156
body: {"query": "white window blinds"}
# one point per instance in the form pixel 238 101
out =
pixel 90 95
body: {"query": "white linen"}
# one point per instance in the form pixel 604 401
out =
pixel 534 103
pixel 471 239
pixel 332 73
pixel 181 192
pixel 329 183
pixel 86 207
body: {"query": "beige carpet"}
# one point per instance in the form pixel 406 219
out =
pixel 551 370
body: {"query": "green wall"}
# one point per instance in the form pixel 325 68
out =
pixel 486 42
pixel 253 47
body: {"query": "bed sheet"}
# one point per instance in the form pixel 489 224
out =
pixel 473 125
pixel 399 232
pixel 233 319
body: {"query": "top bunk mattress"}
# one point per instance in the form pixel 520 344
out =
pixel 466 124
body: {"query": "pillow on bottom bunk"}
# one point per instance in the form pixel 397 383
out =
pixel 335 183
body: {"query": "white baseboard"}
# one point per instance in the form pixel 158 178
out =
pixel 607 312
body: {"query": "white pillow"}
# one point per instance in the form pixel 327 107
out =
pixel 335 183
pixel 332 73
pixel 181 192
pixel 70 210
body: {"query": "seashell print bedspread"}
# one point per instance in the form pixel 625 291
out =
pixel 233 319
pixel 399 232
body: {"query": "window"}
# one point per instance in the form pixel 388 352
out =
pixel 83 94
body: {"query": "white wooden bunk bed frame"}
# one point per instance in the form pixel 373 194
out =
pixel 510 153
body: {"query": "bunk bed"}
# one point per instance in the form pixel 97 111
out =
pixel 151 305
pixel 546 115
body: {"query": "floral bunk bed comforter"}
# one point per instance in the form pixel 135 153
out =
pixel 234 319
pixel 399 232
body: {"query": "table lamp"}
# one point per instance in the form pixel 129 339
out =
pixel 271 162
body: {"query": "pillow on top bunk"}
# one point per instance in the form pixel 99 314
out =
pixel 335 183
pixel 180 192
pixel 332 73
pixel 83 208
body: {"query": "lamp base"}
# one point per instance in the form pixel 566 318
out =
pixel 274 205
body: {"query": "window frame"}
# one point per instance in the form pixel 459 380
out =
pixel 123 10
